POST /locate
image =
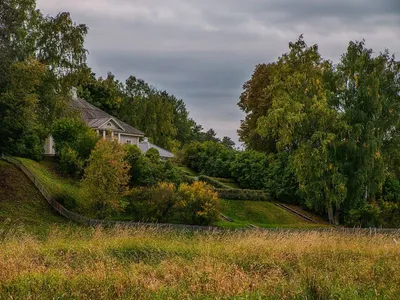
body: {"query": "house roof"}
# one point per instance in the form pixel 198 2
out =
pixel 145 146
pixel 95 117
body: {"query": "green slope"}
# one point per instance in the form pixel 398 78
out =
pixel 261 214
pixel 21 204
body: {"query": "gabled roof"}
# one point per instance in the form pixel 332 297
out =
pixel 145 146
pixel 95 117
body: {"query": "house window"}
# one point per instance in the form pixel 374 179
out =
pixel 129 142
pixel 108 124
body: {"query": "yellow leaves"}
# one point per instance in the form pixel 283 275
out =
pixel 377 154
pixel 356 79
pixel 390 111
pixel 330 166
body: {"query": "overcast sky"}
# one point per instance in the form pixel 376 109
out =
pixel 204 50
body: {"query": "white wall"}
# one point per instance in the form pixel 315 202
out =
pixel 134 139
pixel 49 146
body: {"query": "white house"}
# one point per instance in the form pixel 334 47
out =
pixel 107 126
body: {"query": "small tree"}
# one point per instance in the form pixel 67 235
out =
pixel 106 178
pixel 74 141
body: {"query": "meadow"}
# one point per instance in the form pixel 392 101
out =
pixel 154 263
pixel 42 256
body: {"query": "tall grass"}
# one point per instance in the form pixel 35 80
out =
pixel 154 263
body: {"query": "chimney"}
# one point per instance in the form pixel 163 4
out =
pixel 74 92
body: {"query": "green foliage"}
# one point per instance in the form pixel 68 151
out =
pixel 256 102
pixel 74 141
pixel 281 183
pixel 18 105
pixel 250 169
pixel 391 190
pixel 106 179
pixel 331 131
pixel 152 204
pixel 195 204
pixel 215 183
pixel 241 194
pixel 209 158
pixel 149 169
pixel 105 94
pixel 38 57
pixel 382 214
pixel 69 162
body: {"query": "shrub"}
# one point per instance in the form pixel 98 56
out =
pixel 250 169
pixel 148 170
pixel 74 141
pixel 152 204
pixel 281 182
pixel 195 204
pixel 69 162
pixel 381 214
pixel 213 182
pixel 209 158
pixel 106 178
pixel 239 194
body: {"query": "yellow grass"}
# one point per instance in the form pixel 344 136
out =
pixel 154 263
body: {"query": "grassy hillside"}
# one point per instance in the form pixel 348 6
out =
pixel 68 261
pixel 159 264
pixel 21 204
pixel 261 214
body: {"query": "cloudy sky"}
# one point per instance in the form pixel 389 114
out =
pixel 204 50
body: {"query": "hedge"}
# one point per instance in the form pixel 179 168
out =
pixel 238 194
pixel 213 182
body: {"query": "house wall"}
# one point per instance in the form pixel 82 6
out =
pixel 110 126
pixel 125 138
pixel 49 146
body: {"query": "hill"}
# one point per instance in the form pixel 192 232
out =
pixel 21 203
pixel 69 261
pixel 243 213
pixel 260 214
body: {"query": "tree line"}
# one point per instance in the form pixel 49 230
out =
pixel 43 57
pixel 320 134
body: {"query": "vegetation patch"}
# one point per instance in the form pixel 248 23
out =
pixel 240 194
pixel 22 207
pixel 159 264
pixel 259 213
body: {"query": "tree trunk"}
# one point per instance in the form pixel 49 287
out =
pixel 330 215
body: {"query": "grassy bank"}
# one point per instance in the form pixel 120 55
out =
pixel 21 204
pixel 261 214
pixel 157 264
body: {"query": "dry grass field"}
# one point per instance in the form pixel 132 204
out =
pixel 160 264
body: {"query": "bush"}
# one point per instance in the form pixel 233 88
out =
pixel 69 162
pixel 148 170
pixel 213 182
pixel 106 178
pixel 209 158
pixel 195 204
pixel 250 169
pixel 281 180
pixel 153 204
pixel 74 141
pixel 381 214
pixel 239 194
